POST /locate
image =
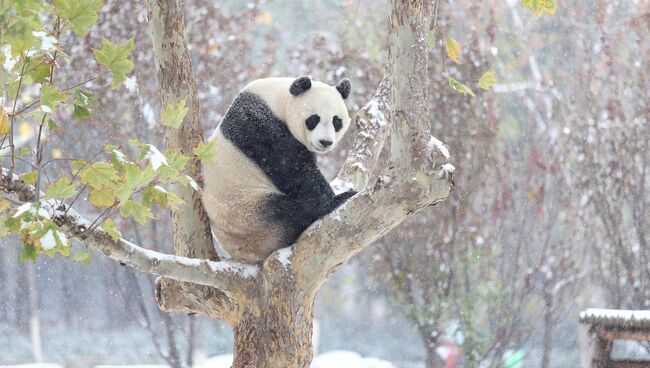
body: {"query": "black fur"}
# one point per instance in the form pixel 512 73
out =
pixel 253 128
pixel 300 85
pixel 344 87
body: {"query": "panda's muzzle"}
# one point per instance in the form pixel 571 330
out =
pixel 325 143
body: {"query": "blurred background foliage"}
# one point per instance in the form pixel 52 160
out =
pixel 549 214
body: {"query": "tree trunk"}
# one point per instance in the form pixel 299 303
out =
pixel 34 314
pixel 548 331
pixel 275 332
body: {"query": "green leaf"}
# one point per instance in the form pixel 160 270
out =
pixel 459 87
pixel 111 229
pixel 84 98
pixel 77 165
pixel 29 178
pixel 176 162
pixel 488 80
pixel 4 205
pixel 538 7
pixel 82 256
pixel 80 14
pixel 50 97
pixel 4 230
pixel 206 152
pixel 101 197
pixel 81 113
pixel 134 178
pixel 139 212
pixel 453 50
pixel 24 151
pixel 40 73
pixel 99 175
pixel 116 59
pixel 29 252
pixel 63 188
pixel 172 116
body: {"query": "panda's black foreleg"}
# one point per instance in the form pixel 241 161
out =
pixel 339 199
pixel 295 215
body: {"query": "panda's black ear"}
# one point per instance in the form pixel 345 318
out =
pixel 300 85
pixel 344 88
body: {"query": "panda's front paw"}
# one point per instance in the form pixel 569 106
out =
pixel 342 197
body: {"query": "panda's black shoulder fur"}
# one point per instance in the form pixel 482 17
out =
pixel 258 133
pixel 254 129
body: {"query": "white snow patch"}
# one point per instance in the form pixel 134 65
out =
pixel 347 359
pixel 131 83
pixel 375 111
pixel 435 143
pixel 193 183
pixel 283 256
pixel 336 214
pixel 446 170
pixel 22 209
pixel 48 241
pixel 48 43
pixel 241 269
pixel 119 156
pixel 331 359
pixel 10 62
pixel 134 366
pixel 32 365
pixel 218 361
pixel 620 314
pixel 341 185
pixel 156 157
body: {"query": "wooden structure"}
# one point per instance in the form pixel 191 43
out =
pixel 606 326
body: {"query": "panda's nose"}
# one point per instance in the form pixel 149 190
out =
pixel 325 143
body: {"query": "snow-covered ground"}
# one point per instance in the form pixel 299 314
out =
pixel 331 359
pixel 32 365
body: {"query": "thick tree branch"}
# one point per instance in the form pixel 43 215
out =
pixel 372 129
pixel 225 275
pixel 396 194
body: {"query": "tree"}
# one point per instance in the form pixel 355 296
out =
pixel 268 305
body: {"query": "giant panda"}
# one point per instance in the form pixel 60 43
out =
pixel 264 188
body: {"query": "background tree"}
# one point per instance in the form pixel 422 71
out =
pixel 269 306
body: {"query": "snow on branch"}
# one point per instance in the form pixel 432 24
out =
pixel 372 129
pixel 225 275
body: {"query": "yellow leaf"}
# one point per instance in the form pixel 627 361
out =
pixel 25 130
pixel 101 197
pixel 488 80
pixel 111 229
pixel 4 121
pixel 56 153
pixel 264 18
pixel 453 50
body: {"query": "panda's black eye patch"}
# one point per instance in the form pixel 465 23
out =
pixel 337 122
pixel 312 122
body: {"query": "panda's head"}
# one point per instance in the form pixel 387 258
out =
pixel 316 113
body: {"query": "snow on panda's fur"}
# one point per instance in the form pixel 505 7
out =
pixel 264 188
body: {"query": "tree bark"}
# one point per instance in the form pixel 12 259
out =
pixel 548 330
pixel 34 313
pixel 191 226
